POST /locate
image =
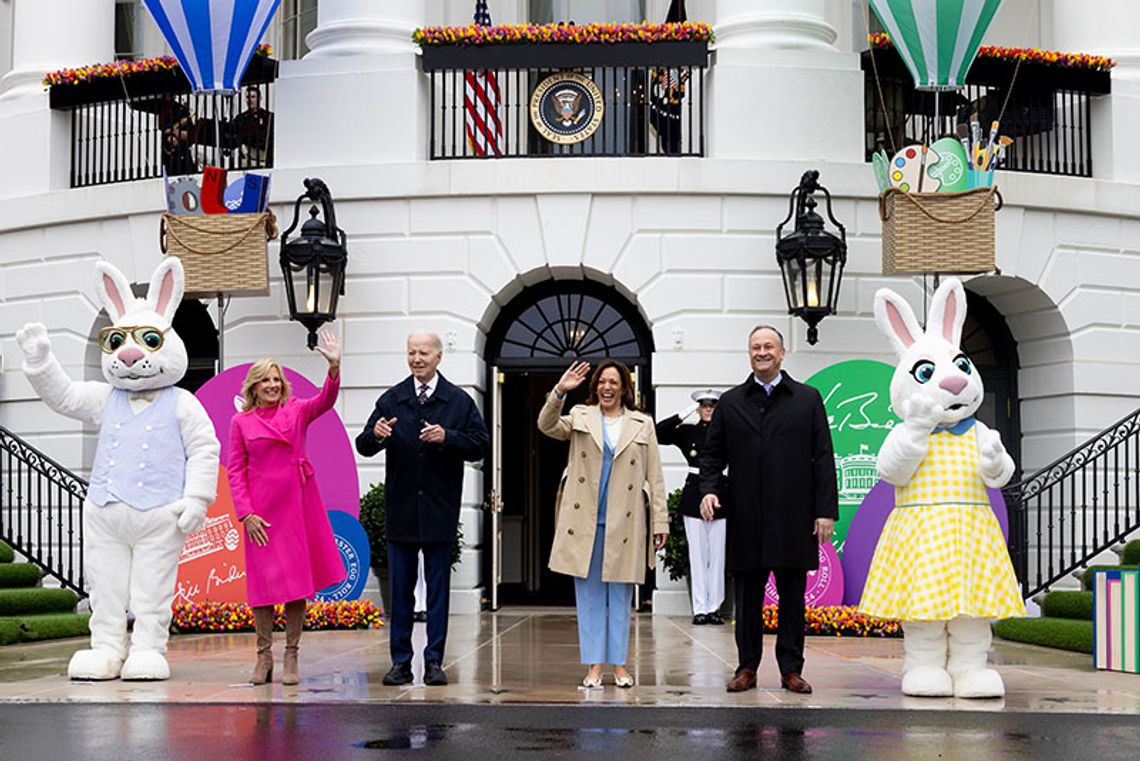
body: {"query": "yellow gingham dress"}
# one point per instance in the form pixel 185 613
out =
pixel 942 553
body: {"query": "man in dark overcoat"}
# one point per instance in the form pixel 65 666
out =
pixel 773 435
pixel 429 428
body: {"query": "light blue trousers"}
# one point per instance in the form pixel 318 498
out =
pixel 603 612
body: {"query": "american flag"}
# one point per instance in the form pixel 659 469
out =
pixel 481 102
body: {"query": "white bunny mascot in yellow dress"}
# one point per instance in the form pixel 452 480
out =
pixel 941 565
pixel 155 470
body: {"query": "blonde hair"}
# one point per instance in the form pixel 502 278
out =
pixel 258 372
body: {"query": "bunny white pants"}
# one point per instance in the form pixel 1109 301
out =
pixel 131 560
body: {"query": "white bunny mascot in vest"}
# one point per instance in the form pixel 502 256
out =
pixel 155 470
pixel 941 564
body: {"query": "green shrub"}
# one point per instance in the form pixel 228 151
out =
pixel 6 553
pixel 1087 576
pixel 19 575
pixel 1076 605
pixel 53 626
pixel 17 602
pixel 676 560
pixel 9 631
pixel 1131 554
pixel 1061 633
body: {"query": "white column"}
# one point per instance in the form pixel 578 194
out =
pixel 780 89
pixel 1112 28
pixel 57 34
pixel 358 97
pixel 365 27
pixel 779 24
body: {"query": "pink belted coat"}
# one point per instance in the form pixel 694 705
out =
pixel 270 475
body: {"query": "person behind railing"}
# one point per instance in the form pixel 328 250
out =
pixel 611 499
pixel 177 124
pixel 250 133
pixel 291 552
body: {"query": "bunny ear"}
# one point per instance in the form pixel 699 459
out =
pixel 948 311
pixel 113 290
pixel 896 319
pixel 166 286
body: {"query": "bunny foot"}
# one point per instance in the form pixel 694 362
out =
pixel 927 682
pixel 978 683
pixel 94 665
pixel 145 666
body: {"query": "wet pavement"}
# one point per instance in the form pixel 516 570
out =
pixel 514 692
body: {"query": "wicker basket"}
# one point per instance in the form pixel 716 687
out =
pixel 938 232
pixel 221 253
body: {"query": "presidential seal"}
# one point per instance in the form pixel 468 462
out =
pixel 567 108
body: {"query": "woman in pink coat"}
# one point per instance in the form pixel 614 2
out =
pixel 291 552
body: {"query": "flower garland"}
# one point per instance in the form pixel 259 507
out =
pixel 124 68
pixel 522 34
pixel 1032 55
pixel 838 621
pixel 238 617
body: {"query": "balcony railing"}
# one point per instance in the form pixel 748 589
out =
pixel 138 126
pixel 652 99
pixel 1048 115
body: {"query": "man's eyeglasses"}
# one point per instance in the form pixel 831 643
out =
pixel 150 338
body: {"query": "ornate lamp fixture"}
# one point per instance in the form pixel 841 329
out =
pixel 314 262
pixel 811 258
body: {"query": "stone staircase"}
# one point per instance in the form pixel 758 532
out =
pixel 30 612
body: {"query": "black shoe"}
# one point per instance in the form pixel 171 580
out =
pixel 700 619
pixel 420 616
pixel 434 675
pixel 400 673
pixel 714 619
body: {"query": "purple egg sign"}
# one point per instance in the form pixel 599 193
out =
pixel 824 585
pixel 328 444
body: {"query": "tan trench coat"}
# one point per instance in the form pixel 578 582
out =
pixel 635 508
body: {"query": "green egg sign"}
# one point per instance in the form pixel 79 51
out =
pixel 950 169
pixel 856 395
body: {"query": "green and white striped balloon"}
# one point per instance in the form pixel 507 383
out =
pixel 937 39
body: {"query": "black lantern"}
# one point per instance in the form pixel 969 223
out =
pixel 811 258
pixel 314 262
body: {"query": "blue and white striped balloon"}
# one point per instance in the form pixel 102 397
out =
pixel 214 40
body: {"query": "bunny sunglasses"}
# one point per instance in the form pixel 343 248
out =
pixel 112 338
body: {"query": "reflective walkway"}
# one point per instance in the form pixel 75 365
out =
pixel 530 656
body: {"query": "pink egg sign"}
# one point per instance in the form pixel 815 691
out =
pixel 824 585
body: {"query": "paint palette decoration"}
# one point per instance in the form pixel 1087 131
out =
pixel 950 172
pixel 909 164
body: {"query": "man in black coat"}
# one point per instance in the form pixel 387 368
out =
pixel 429 428
pixel 773 435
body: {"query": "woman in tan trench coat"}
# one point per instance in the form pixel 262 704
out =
pixel 611 498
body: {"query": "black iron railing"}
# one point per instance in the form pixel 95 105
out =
pixel 1048 114
pixel 1077 508
pixel 41 510
pixel 138 126
pixel 653 99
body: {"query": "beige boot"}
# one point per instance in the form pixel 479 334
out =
pixel 294 621
pixel 263 625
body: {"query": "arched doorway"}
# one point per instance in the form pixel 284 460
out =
pixel 990 345
pixel 530 344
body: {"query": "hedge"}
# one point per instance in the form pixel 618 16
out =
pixel 9 631
pixel 1087 576
pixel 7 555
pixel 1075 605
pixel 1131 555
pixel 1061 633
pixel 53 626
pixel 19 575
pixel 16 602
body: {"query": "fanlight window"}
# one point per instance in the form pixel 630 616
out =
pixel 567 326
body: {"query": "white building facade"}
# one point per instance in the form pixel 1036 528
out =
pixel 684 247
